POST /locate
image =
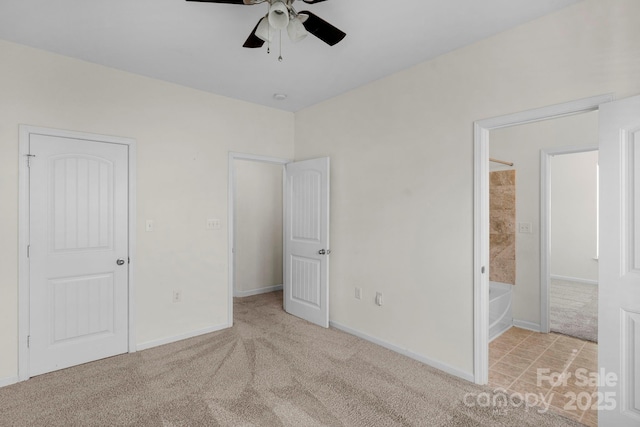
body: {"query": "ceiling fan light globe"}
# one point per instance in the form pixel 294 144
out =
pixel 263 32
pixel 296 30
pixel 279 15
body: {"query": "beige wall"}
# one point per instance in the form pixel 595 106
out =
pixel 183 138
pixel 402 171
pixel 521 145
pixel 573 216
pixel 258 228
pixel 402 166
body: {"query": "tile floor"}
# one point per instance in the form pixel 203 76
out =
pixel 516 356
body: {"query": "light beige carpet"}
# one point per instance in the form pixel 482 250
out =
pixel 270 369
pixel 573 309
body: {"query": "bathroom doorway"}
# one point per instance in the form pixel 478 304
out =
pixel 532 148
pixel 482 135
pixel 521 146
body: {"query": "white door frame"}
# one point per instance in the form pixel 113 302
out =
pixel 482 130
pixel 232 214
pixel 23 233
pixel 545 225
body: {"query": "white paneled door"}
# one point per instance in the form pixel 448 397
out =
pixel 78 252
pixel 619 296
pixel 306 235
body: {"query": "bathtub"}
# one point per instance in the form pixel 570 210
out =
pixel 500 315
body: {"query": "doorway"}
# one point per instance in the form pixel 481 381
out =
pixel 244 171
pixel 258 228
pixel 305 244
pixel 77 193
pixel 482 130
pixel 572 241
pixel 519 357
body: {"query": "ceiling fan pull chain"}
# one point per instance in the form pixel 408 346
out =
pixel 280 57
pixel 268 33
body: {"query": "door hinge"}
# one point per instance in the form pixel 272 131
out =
pixel 29 156
pixel 128 260
pixel 28 250
pixel 28 341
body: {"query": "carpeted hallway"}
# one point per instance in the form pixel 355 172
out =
pixel 270 369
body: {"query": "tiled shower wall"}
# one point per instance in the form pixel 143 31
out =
pixel 502 216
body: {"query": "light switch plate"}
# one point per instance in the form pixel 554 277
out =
pixel 213 224
pixel 149 225
pixel 525 227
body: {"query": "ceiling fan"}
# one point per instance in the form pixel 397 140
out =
pixel 282 16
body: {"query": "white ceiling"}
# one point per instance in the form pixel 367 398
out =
pixel 199 45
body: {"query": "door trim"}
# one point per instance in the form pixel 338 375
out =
pixel 545 225
pixel 232 214
pixel 23 233
pixel 482 130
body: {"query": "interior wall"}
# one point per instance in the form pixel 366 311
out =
pixel 401 153
pixel 183 139
pixel 258 226
pixel 574 209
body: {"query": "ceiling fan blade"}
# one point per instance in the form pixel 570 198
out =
pixel 254 41
pixel 313 1
pixel 221 1
pixel 322 29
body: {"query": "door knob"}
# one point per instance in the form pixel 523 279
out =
pixel 120 261
pixel 324 252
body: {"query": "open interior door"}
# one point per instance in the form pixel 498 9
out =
pixel 619 292
pixel 306 240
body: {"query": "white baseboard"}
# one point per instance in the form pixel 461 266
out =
pixel 525 324
pixel 266 289
pixel 433 363
pixel 573 279
pixel 169 340
pixel 8 381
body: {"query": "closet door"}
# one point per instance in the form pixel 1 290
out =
pixel 78 254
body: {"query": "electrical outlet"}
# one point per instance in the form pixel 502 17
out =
pixel 177 296
pixel 379 298
pixel 358 293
